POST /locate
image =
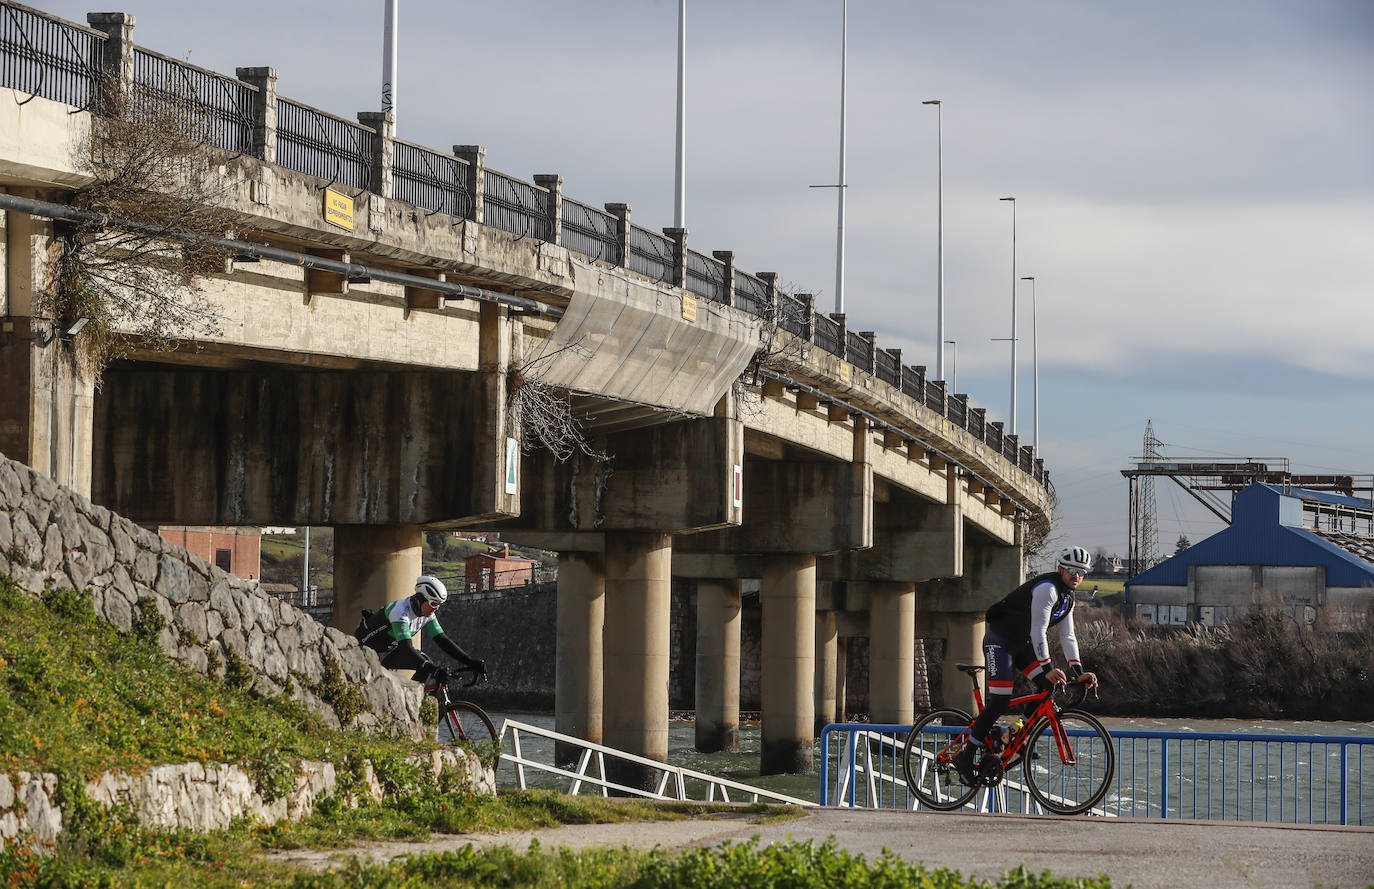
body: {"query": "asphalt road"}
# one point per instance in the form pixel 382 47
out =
pixel 1132 852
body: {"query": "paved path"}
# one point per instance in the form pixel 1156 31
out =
pixel 1133 852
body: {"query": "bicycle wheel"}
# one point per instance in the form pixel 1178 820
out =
pixel 466 722
pixel 929 759
pixel 1071 779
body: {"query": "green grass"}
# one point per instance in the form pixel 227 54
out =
pixel 78 695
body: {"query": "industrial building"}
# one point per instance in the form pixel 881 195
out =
pixel 1309 552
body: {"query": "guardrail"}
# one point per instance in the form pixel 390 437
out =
pixel 1302 779
pixel 63 61
pixel 673 782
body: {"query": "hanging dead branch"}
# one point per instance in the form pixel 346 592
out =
pixel 774 351
pixel 146 155
pixel 543 413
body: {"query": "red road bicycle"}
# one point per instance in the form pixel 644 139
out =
pixel 1066 756
pixel 461 720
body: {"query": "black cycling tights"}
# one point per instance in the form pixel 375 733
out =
pixel 403 656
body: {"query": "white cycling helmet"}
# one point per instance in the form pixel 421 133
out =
pixel 1075 557
pixel 432 590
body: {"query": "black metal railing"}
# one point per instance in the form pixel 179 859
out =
pixel 706 277
pixel 827 334
pixel 751 294
pixel 651 254
pixel 324 146
pixel 858 350
pixel 591 232
pixel 956 409
pixel 886 367
pixel 208 107
pixel 914 382
pixel 430 180
pixel 46 56
pixel 792 315
pixel 977 423
pixel 516 206
pixel 935 396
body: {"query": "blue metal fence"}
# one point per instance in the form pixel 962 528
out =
pixel 1302 779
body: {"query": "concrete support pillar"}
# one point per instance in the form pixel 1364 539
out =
pixel 718 629
pixel 554 208
pixel 264 111
pixel 788 663
pixel 638 604
pixel 373 565
pixel 381 179
pixel 827 649
pixel 841 678
pixel 475 181
pixel 621 212
pixel 963 635
pixel 578 651
pixel 891 651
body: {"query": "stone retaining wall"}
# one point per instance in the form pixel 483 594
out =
pixel 52 536
pixel 197 796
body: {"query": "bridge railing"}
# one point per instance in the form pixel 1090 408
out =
pixel 63 61
pixel 47 56
pixel 1218 776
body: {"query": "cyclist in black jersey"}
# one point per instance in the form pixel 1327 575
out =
pixel 1016 638
pixel 390 630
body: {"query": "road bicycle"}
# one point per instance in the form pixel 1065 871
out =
pixel 461 720
pixel 1066 756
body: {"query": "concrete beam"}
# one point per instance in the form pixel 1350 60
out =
pixel 797 508
pixel 913 540
pixel 271 447
pixel 991 570
pixel 673 477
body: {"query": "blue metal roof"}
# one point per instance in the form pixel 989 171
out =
pixel 1266 529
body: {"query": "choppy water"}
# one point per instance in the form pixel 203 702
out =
pixel 743 766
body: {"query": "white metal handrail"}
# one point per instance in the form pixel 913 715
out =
pixel 676 776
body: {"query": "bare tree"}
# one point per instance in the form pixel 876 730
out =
pixel 147 159
pixel 543 413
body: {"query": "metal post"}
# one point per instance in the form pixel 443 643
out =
pixel 389 58
pixel 940 237
pixel 844 91
pixel 954 383
pixel 1035 373
pixel 680 177
pixel 1011 420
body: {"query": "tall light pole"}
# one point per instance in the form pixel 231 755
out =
pixel 1035 373
pixel 389 58
pixel 954 383
pixel 680 168
pixel 940 236
pixel 1011 421
pixel 844 92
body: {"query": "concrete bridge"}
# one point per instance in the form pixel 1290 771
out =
pixel 381 309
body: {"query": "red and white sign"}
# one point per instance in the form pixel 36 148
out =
pixel 738 486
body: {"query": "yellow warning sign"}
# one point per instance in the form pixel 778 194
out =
pixel 689 309
pixel 338 209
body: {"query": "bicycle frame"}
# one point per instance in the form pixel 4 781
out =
pixel 1015 741
pixel 446 704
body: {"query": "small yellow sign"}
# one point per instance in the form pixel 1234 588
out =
pixel 845 372
pixel 338 209
pixel 689 309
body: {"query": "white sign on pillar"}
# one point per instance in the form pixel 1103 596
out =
pixel 737 486
pixel 512 465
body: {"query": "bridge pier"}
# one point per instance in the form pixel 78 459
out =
pixel 827 651
pixel 578 673
pixel 891 651
pixel 373 565
pixel 717 667
pixel 788 663
pixel 636 649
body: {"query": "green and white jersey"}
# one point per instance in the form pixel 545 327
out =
pixel 406 622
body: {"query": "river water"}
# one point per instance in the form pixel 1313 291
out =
pixel 743 766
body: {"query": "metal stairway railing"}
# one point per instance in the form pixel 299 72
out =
pixel 672 783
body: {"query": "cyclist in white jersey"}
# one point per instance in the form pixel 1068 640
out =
pixel 389 632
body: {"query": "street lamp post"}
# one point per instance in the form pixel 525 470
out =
pixel 1011 420
pixel 680 167
pixel 954 382
pixel 1035 373
pixel 940 236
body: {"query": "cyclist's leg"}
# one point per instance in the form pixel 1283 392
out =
pixel 404 656
pixel 998 656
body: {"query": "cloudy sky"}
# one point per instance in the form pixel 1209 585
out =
pixel 1194 184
